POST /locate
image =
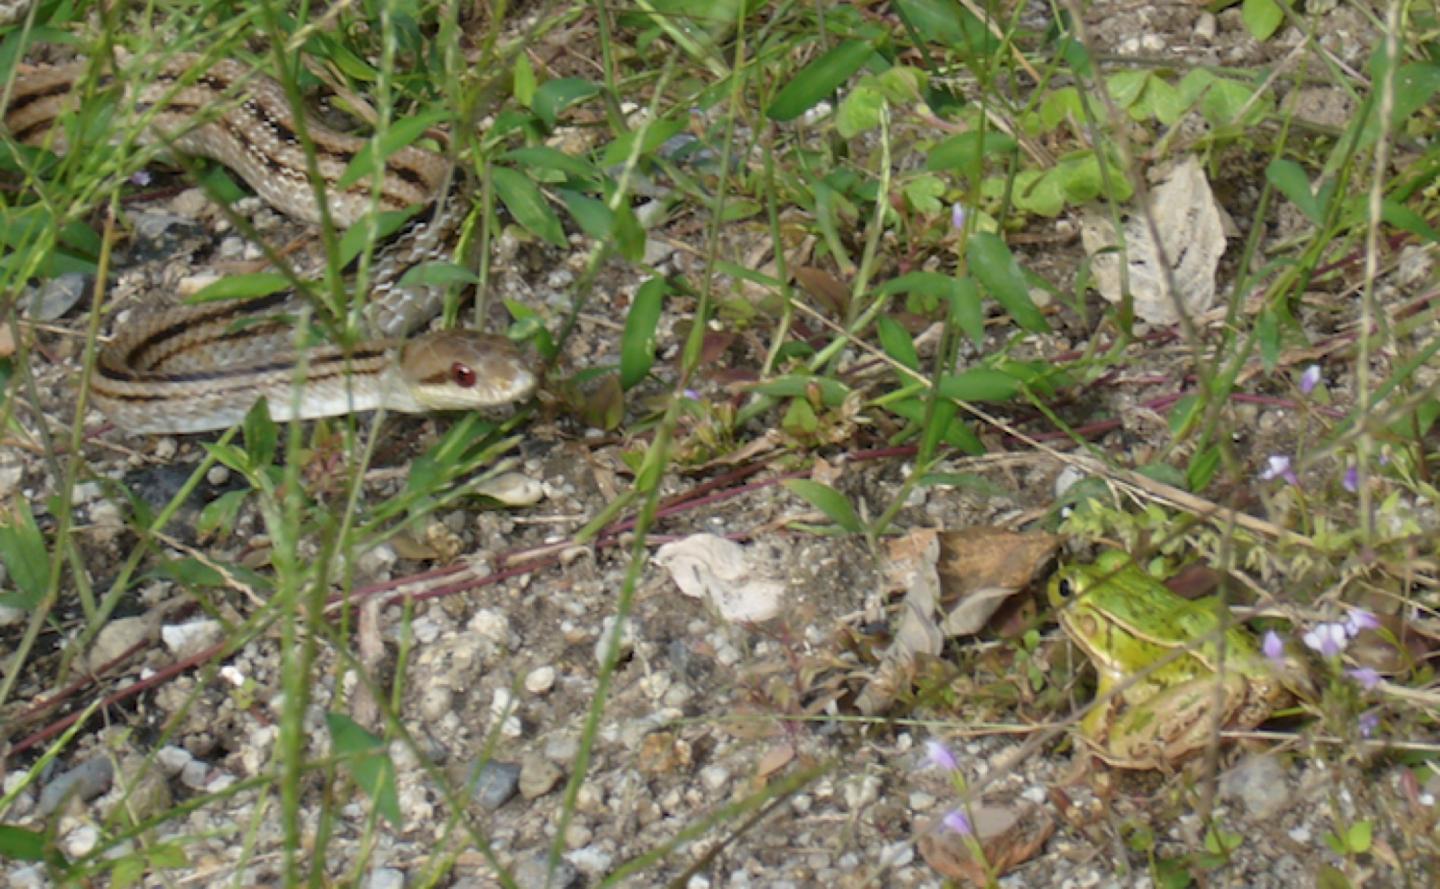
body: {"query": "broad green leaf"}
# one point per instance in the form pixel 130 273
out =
pixel 261 435
pixel 522 79
pixel 529 207
pixel 369 161
pixel 1405 219
pixel 832 392
pixel 242 287
pixel 629 234
pixel 993 265
pixel 799 419
pixel 1267 332
pixel 1262 18
pixel 827 500
pixel 1202 468
pixel 1185 412
pixel 1289 179
pixel 22 844
pixel 368 763
pixel 967 152
pixel 896 342
pixel 1358 837
pixel 591 214
pixel 438 274
pixel 218 516
pixel 554 96
pixel 966 311
pixel 22 549
pixel 657 134
pixel 546 158
pixel 1126 86
pixel 980 384
pixel 637 343
pixel 817 80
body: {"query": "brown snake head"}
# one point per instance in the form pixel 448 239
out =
pixel 456 370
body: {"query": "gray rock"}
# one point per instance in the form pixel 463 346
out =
pixel 537 776
pixel 533 872
pixel 385 878
pixel 87 781
pixel 495 784
pixel 57 296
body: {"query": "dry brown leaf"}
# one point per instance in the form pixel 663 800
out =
pixel 1192 233
pixel 981 567
pixel 735 579
pixel 774 759
pixel 910 567
pixel 1007 836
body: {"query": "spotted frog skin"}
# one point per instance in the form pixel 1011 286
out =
pixel 1169 651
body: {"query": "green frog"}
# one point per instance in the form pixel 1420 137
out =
pixel 1129 623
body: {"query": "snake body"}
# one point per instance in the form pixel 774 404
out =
pixel 198 368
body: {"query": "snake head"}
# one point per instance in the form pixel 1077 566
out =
pixel 458 370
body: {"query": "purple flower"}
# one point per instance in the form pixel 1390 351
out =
pixel 1278 466
pixel 940 756
pixel 1360 620
pixel 957 822
pixel 1309 379
pixel 1328 639
pixel 140 178
pixel 1368 677
pixel 1351 481
pixel 957 216
pixel 1368 722
pixel 1273 648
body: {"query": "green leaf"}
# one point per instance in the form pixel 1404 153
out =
pixel 1202 468
pixel 1289 179
pixel 859 111
pixel 1405 219
pixel 544 157
pixel 368 763
pixel 1185 412
pixel 591 214
pixel 817 80
pixel 1262 18
pixel 637 343
pixel 218 516
pixel 1267 332
pixel 438 274
pixel 242 287
pixel 994 266
pixel 655 135
pixel 980 384
pixel 22 549
pixel 966 311
pixel 529 207
pixel 22 844
pixel 261 435
pixel 827 500
pixel 357 238
pixel 967 152
pixel 369 161
pixel 1358 837
pixel 522 80
pixel 832 392
pixel 629 234
pixel 896 342
pixel 554 96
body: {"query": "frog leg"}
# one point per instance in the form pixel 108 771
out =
pixel 1176 722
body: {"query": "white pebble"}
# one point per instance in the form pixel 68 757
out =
pixel 540 680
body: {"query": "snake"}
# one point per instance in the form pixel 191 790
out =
pixel 197 368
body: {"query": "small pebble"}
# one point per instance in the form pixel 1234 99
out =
pixel 87 781
pixel 540 680
pixel 714 778
pixel 190 638
pixel 538 776
pixel 385 878
pixel 533 872
pixel 172 759
pixel 495 784
pixel 218 475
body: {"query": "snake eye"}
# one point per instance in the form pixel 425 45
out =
pixel 462 375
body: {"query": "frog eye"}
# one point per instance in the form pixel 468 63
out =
pixel 1065 588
